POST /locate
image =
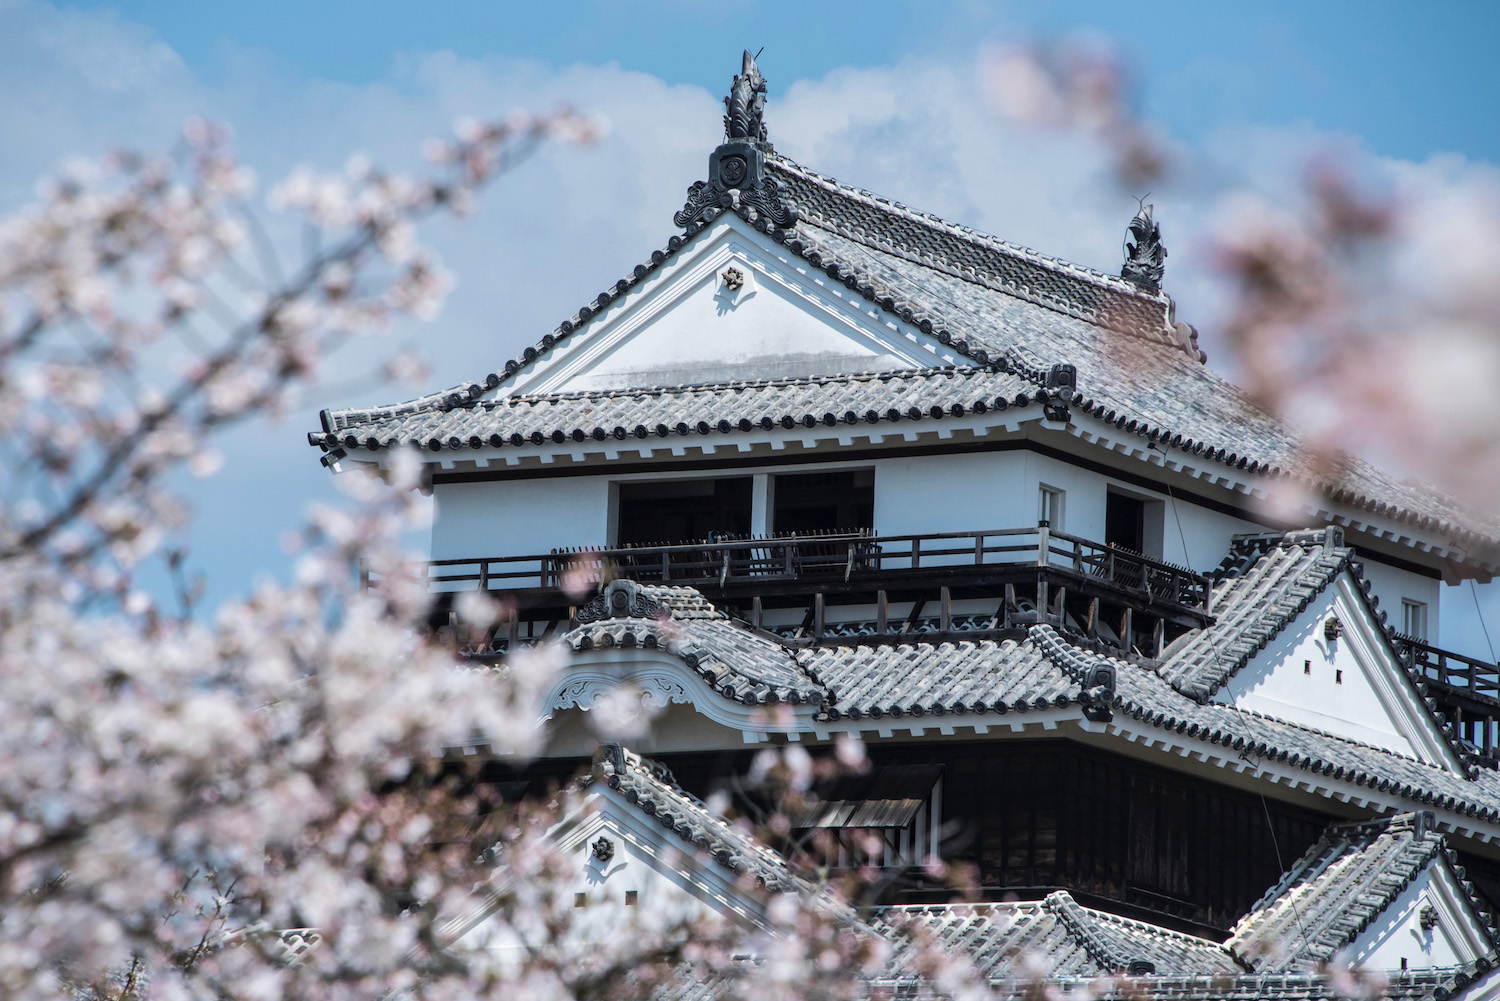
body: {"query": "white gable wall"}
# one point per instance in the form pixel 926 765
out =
pixel 685 326
pixel 671 880
pixel 1397 935
pixel 1350 686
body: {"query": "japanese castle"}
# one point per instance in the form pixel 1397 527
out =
pixel 824 465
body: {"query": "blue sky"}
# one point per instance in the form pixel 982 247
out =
pixel 882 94
pixel 1409 78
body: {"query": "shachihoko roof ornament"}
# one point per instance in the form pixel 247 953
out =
pixel 737 178
pixel 1145 255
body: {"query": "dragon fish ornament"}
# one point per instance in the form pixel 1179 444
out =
pixel 737 177
pixel 1145 255
pixel 746 103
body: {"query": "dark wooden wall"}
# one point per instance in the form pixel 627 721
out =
pixel 1037 816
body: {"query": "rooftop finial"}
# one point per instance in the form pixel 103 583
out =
pixel 1145 256
pixel 738 180
pixel 746 103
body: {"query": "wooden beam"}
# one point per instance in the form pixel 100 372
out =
pixel 882 612
pixel 945 616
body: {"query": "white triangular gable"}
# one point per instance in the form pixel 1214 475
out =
pixel 1351 686
pixel 1430 925
pixel 687 324
pixel 642 875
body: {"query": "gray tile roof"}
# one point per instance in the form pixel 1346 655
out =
pixel 857 681
pixel 1143 695
pixel 1334 891
pixel 1001 305
pixel 1002 938
pixel 1142 386
pixel 684 411
pixel 1044 671
pixel 744 666
pixel 1264 583
pixel 918 679
pixel 830 208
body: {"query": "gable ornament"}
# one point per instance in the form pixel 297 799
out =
pixel 620 599
pixel 737 178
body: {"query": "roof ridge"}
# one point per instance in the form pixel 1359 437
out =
pixel 968 233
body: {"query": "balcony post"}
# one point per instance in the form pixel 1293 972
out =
pixel 818 613
pixel 882 612
pixel 1043 544
pixel 945 610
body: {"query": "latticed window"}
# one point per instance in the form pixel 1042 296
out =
pixel 1414 618
pixel 1050 507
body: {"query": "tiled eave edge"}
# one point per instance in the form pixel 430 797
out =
pixel 1279 764
pixel 1443 984
pixel 1093 422
pixel 978 416
pixel 1160 729
pixel 1163 730
pixel 648 635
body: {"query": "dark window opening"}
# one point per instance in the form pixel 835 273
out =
pixel 1124 522
pixel 807 503
pixel 672 511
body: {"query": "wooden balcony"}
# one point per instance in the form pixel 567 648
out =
pixel 1031 574
pixel 1466 690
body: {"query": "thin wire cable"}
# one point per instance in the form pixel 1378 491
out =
pixel 1281 864
pixel 1480 612
pixel 1213 642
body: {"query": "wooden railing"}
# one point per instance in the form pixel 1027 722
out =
pixel 1452 670
pixel 818 558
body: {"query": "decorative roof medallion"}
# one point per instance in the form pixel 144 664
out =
pixel 620 599
pixel 737 178
pixel 1145 256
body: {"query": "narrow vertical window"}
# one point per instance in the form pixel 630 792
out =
pixel 1414 618
pixel 1050 507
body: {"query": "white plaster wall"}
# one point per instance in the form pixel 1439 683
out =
pixel 1275 683
pixel 518 517
pixel 916 494
pixel 952 493
pixel 1390 585
pixel 1190 535
pixel 1398 933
